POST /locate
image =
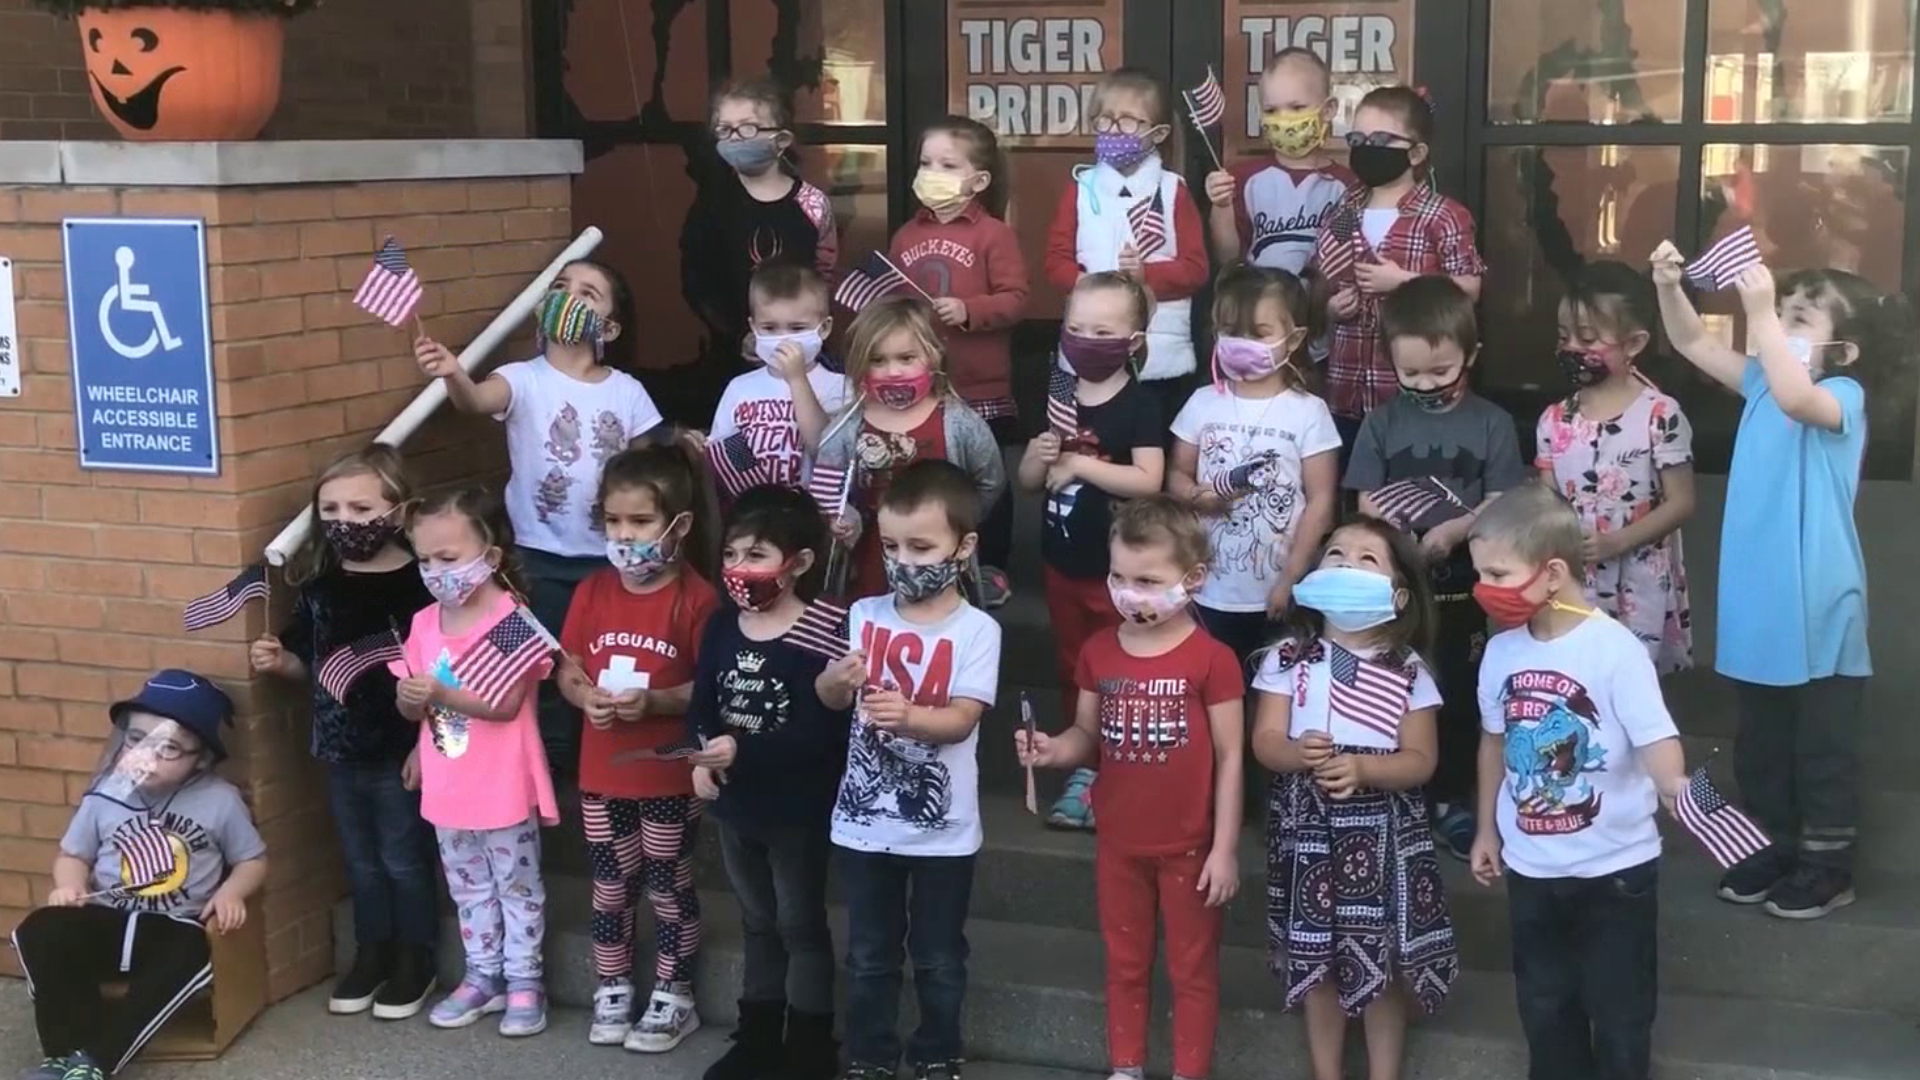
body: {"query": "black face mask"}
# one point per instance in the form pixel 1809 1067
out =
pixel 1378 166
pixel 358 541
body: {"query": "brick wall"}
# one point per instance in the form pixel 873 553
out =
pixel 360 69
pixel 95 566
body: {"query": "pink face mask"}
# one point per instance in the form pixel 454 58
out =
pixel 1240 359
pixel 900 392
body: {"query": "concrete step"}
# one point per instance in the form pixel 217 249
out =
pixel 1036 998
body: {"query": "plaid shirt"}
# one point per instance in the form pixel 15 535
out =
pixel 1433 235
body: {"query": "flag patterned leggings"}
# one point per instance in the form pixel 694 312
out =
pixel 643 847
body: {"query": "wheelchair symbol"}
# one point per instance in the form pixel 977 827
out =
pixel 133 298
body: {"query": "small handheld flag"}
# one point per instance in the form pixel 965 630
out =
pixel 830 486
pixel 1148 219
pixel 504 656
pixel 1418 504
pixel 1341 250
pixel 822 630
pixel 1370 694
pixel 391 291
pixel 874 278
pixel 676 750
pixel 1063 406
pixel 225 602
pixel 1728 835
pixel 146 859
pixel 1026 721
pixel 1729 257
pixel 344 667
pixel 735 467
pixel 1207 106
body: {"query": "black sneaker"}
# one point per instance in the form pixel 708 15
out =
pixel 355 991
pixel 857 1071
pixel 1810 892
pixel 938 1070
pixel 406 992
pixel 1752 878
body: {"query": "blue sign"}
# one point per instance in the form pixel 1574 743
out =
pixel 142 345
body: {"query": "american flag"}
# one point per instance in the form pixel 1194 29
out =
pixel 1418 504
pixel 1148 218
pixel 391 291
pixel 346 664
pixel 1026 722
pixel 821 629
pixel 226 601
pixel 498 661
pixel 1726 260
pixel 735 468
pixel 829 486
pixel 1727 834
pixel 1207 102
pixel 1372 695
pixel 874 278
pixel 146 856
pixel 1063 407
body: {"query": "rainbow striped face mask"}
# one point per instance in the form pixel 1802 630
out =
pixel 569 320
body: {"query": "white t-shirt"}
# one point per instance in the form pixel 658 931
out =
pixel 560 431
pixel 1310 684
pixel 1251 542
pixel 760 405
pixel 1376 222
pixel 1575 801
pixel 902 796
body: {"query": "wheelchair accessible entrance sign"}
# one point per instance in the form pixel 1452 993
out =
pixel 142 344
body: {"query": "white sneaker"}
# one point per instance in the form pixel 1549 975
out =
pixel 612 1014
pixel 668 1021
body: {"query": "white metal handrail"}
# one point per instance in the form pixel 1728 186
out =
pixel 434 393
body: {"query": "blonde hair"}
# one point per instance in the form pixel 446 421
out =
pixel 1159 100
pixel 1143 303
pixel 879 321
pixel 1162 519
pixel 1537 524
pixel 315 557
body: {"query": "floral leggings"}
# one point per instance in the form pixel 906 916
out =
pixel 493 877
pixel 643 847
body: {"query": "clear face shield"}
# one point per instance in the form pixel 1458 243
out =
pixel 145 756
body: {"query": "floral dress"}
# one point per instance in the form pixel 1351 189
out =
pixel 1610 471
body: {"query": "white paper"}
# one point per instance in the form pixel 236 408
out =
pixel 9 334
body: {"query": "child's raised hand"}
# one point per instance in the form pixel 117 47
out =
pixel 1045 446
pixel 631 705
pixel 599 708
pixel 265 655
pixel 1486 856
pixel 706 784
pixel 1339 776
pixel 1219 877
pixel 951 311
pixel 1220 187
pixel 1130 262
pixel 435 359
pixel 1755 285
pixel 1669 266
pixel 1345 304
pixel 885 708
pixel 416 691
pixel 1035 751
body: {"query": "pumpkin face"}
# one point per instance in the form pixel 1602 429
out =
pixel 172 74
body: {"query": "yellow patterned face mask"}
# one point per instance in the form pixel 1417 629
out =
pixel 1295 134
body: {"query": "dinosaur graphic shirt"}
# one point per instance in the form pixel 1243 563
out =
pixel 901 796
pixel 1574 711
pixel 560 431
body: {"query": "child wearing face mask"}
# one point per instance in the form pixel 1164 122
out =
pixel 1622 452
pixel 1793 583
pixel 781 407
pixel 925 667
pixel 1254 454
pixel 770 765
pixel 1393 228
pixel 1268 211
pixel 1427 462
pixel 357 581
pixel 960 251
pixel 1130 211
pixel 906 412
pixel 566 413
pixel 1347 776
pixel 482 772
pixel 761 212
pixel 631 641
pixel 1161 710
pixel 1113 453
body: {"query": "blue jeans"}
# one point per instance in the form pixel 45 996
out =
pixel 899 905
pixel 389 850
pixel 1585 961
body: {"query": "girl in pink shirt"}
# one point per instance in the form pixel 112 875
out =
pixel 482 772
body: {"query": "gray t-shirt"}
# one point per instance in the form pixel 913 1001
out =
pixel 191 836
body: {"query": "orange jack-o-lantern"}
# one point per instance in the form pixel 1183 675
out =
pixel 168 74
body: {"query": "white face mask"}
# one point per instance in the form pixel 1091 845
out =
pixel 810 342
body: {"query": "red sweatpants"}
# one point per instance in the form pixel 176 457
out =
pixel 1077 608
pixel 1137 892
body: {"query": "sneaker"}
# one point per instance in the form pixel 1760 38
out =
pixel 407 990
pixel 858 1071
pixel 668 1021
pixel 526 1013
pixel 53 1068
pixel 469 1001
pixel 1752 878
pixel 1811 892
pixel 1455 831
pixel 938 1070
pixel 1073 810
pixel 612 1013
pixel 355 991
pixel 81 1066
pixel 995 588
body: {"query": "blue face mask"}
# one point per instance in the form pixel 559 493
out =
pixel 750 156
pixel 1353 600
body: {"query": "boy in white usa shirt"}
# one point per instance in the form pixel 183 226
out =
pixel 1577 756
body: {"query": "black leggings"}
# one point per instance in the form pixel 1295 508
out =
pixel 68 953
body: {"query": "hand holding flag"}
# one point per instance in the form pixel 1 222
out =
pixel 1026 722
pixel 1728 258
pixel 1063 404
pixel 1207 106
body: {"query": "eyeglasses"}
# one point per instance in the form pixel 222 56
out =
pixel 1125 125
pixel 1376 138
pixel 729 132
pixel 164 749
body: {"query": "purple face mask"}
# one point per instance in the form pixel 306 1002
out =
pixel 1240 359
pixel 1121 150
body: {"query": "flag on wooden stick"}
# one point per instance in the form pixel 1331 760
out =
pixel 1729 257
pixel 1728 835
pixel 1207 103
pixel 344 666
pixel 391 291
pixel 226 601
pixel 499 660
pixel 830 486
